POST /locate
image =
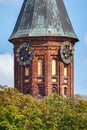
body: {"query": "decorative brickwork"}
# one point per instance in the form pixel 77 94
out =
pixel 45 84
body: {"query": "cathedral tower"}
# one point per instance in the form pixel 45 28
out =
pixel 44 40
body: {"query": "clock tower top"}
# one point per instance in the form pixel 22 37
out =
pixel 43 18
pixel 43 40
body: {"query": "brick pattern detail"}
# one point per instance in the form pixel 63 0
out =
pixel 46 49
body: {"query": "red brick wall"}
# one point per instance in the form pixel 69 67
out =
pixel 46 49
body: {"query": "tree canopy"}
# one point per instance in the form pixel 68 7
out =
pixel 23 112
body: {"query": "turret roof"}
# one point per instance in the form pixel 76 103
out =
pixel 43 18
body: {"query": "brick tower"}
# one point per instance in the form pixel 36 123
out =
pixel 44 40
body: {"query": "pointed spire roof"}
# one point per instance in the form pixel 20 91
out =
pixel 43 18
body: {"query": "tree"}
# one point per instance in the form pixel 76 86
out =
pixel 23 112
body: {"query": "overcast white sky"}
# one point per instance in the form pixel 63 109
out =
pixel 6 69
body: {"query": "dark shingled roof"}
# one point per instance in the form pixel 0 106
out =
pixel 43 18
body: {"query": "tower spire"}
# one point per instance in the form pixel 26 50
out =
pixel 43 18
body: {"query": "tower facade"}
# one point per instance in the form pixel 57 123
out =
pixel 44 40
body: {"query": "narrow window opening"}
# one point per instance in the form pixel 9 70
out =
pixel 53 67
pixel 65 91
pixel 27 71
pixel 41 90
pixel 27 91
pixel 54 89
pixel 65 71
pixel 39 67
pixel 26 74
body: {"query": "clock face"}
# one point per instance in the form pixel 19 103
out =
pixel 24 54
pixel 67 52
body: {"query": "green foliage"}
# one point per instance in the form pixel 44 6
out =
pixel 23 112
pixel 67 113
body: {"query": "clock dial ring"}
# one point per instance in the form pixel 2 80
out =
pixel 67 52
pixel 24 54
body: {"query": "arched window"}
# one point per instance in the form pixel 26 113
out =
pixel 26 74
pixel 53 67
pixel 54 89
pixel 27 91
pixel 41 90
pixel 65 71
pixel 39 67
pixel 27 71
pixel 65 91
